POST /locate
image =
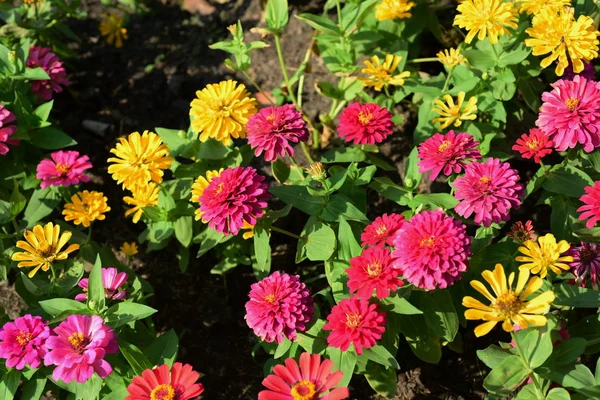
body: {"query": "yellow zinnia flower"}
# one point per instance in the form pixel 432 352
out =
pixel 454 113
pixel 250 233
pixel 534 6
pixel 198 188
pixel 112 27
pixel 42 247
pixel 139 160
pixel 507 305
pixel 141 196
pixel 555 31
pixel 392 9
pixel 544 254
pixel 221 111
pixel 451 57
pixel 486 18
pixel 86 207
pixel 381 75
pixel 129 249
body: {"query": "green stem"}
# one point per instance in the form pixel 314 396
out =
pixel 305 148
pixel 422 60
pixel 283 68
pixel 536 384
pixel 257 86
pixel 276 229
pixel 53 273
pixel 447 82
pixel 89 237
pixel 338 109
pixel 303 75
pixel 293 160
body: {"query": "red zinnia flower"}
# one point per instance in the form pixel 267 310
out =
pixel 447 153
pixel 161 384
pixel 520 232
pixel 536 145
pixel 373 270
pixel 311 380
pixel 382 230
pixel 355 321
pixel 591 208
pixel 365 123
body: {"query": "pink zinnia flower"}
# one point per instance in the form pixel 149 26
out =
pixel 365 123
pixel 570 114
pixel 373 270
pixel 520 232
pixel 311 380
pixel 588 72
pixel 161 384
pixel 536 145
pixel 447 153
pixel 22 342
pixel 382 230
pixel 272 128
pixel 112 280
pixel 355 321
pixel 6 131
pixel 489 189
pixel 49 62
pixel 431 250
pixel 591 208
pixel 279 307
pixel 238 194
pixel 79 348
pixel 65 168
pixel 586 262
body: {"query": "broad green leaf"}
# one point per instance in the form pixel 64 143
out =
pixel 34 388
pixel 134 357
pixel 299 197
pixel 282 348
pixel 340 205
pixel 262 249
pixel 322 24
pixel 125 312
pixel 439 312
pixel 493 355
pixel 536 345
pixel 184 230
pixel 381 355
pixel 383 380
pixel 51 138
pixel 344 361
pixel 420 339
pixel 567 351
pixel 400 305
pixel 41 204
pixel 276 15
pixel 506 377
pixel 444 200
pixel 567 180
pixel 576 296
pixel 58 306
pixel 348 245
pixel 96 298
pixel 164 349
pixel 307 340
pixel 320 243
pixel 9 384
pixel 576 376
pixel 208 239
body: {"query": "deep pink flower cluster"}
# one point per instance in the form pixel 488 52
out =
pixel 365 123
pixel 238 194
pixel 489 189
pixel 280 306
pixel 381 231
pixel 447 153
pixel 44 58
pixel 112 280
pixel 373 270
pixel 63 168
pixel 590 209
pixel 431 250
pixel 6 130
pixel 23 342
pixel 586 262
pixel 273 128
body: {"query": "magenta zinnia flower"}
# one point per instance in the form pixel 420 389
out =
pixel 311 380
pixel 489 189
pixel 373 270
pixel 365 123
pixel 431 250
pixel 49 62
pixel 79 348
pixel 65 168
pixel 161 384
pixel 272 128
pixel 590 209
pixel 279 307
pixel 382 230
pixel 6 130
pixel 536 145
pixel 570 114
pixel 588 72
pixel 238 194
pixel 355 321
pixel 112 280
pixel 22 342
pixel 586 262
pixel 447 153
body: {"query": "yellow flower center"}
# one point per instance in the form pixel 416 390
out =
pixel 63 169
pixel 444 146
pixel 374 268
pixel 270 298
pixel 572 103
pixel 508 304
pixel 219 188
pixel 23 338
pixel 364 118
pixel 163 392
pixel 381 229
pixel 271 117
pixel 428 242
pixel 484 180
pixel 46 251
pixel 533 144
pixel 353 320
pixel 303 390
pixel 78 342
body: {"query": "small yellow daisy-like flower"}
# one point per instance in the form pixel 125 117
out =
pixel 111 26
pixel 486 18
pixel 452 113
pixel 198 188
pixel 544 254
pixel 534 6
pixel 556 31
pixel 129 249
pixel 507 305
pixel 42 247
pixel 86 207
pixel 451 57
pixel 250 233
pixel 139 159
pixel 381 75
pixel 141 196
pixel 392 9
pixel 221 111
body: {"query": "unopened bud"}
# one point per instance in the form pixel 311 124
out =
pixel 317 171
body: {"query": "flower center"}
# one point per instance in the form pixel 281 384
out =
pixel 484 180
pixel 533 144
pixel 381 229
pixel 46 251
pixel 78 342
pixel 428 242
pixel 23 338
pixel 374 268
pixel 587 255
pixel 508 304
pixel 271 117
pixel 270 298
pixel 163 392
pixel 364 118
pixel 444 146
pixel 353 320
pixel 63 169
pixel 572 103
pixel 303 390
pixel 219 188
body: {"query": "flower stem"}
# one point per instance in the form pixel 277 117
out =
pixel 423 60
pixel 257 86
pixel 306 150
pixel 447 82
pixel 53 273
pixel 89 238
pixel 276 229
pixel 283 68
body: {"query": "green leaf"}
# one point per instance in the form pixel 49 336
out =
pixel 340 205
pixel 506 377
pixel 36 74
pixel 17 200
pixel 535 344
pixel 299 197
pixel 163 349
pixel 493 355
pixel 125 312
pixel 90 389
pixel 322 24
pixel 96 298
pixel 34 388
pixel 307 340
pixel 58 306
pixel 444 200
pixel 175 139
pixel 567 351
pixel 567 180
pixel 9 384
pixel 383 380
pixel 276 15
pixel 412 176
pixel 400 305
pixel 208 239
pixel 134 357
pixel 344 361
pixel 41 204
pixel 343 155
pixel 390 190
pixel 183 258
pixel 589 329
pixel 439 312
pixel 576 296
pixel 288 174
pixel 51 138
pixel 43 111
pixel 558 394
pixel 576 376
pixel 184 230
pixel 320 243
pixel 262 249
pixel 348 246
pixel 282 348
pixel 335 272
pixel 381 355
pixel 420 339
pixel 159 231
